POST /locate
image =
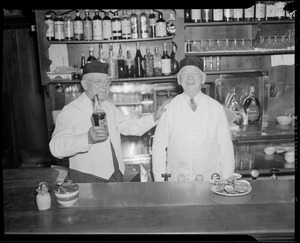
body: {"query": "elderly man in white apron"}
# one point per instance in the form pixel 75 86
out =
pixel 193 136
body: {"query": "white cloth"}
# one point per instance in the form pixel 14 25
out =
pixel 70 138
pixel 197 142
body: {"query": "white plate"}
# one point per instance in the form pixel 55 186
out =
pixel 238 194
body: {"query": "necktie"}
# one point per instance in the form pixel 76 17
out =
pixel 193 104
pixel 115 161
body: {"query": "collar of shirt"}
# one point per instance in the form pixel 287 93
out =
pixel 196 98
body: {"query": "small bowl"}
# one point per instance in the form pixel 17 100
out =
pixel 67 193
pixel 269 150
pixel 284 120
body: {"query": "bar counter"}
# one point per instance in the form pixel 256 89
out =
pixel 266 213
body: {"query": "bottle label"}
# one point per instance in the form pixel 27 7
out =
pixel 270 10
pixel 107 29
pixel 116 27
pixel 228 13
pixel 87 30
pixel 206 15
pixel 152 22
pixel 59 33
pixel 196 15
pixel 78 27
pixel 144 27
pixel 218 14
pixel 161 29
pixel 249 13
pixel 253 111
pixel 125 25
pixel 166 66
pixel 97 29
pixel 69 29
pixel 134 28
pixel 260 11
pixel 50 30
pixel 238 13
pixel 279 9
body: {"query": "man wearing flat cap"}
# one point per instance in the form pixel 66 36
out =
pixel 94 152
pixel 192 139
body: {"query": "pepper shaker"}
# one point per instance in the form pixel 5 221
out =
pixel 43 198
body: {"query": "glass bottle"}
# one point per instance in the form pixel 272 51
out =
pixel 50 30
pixel 129 64
pixel 113 64
pixel 260 11
pixel 165 62
pixel 68 28
pixel 258 36
pixel 218 15
pixel 238 14
pixel 144 24
pixel 174 62
pixel 228 14
pixel 249 13
pixel 279 10
pixel 78 26
pixel 187 15
pixel 43 198
pixel 161 26
pixel 270 10
pixel 91 54
pixel 152 24
pixel 196 15
pixel 235 106
pixel 251 107
pixel 82 64
pixel 138 62
pixel 125 26
pixel 59 33
pixel 106 27
pixel 97 26
pixel 121 63
pixel 206 15
pixel 149 64
pixel 87 26
pixel 157 62
pixel 171 29
pixel 101 55
pixel 134 25
pixel 116 26
pixel 98 115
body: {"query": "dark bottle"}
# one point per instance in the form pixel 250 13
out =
pixel 116 26
pixel 174 62
pixel 129 65
pixel 91 55
pixel 258 36
pixel 97 26
pixel 121 63
pixel 187 16
pixel 106 27
pixel 138 62
pixel 82 64
pixel 50 23
pixel 87 26
pixel 161 26
pixel 171 29
pixel 152 24
pixel 78 26
pixel 252 107
pixel 98 115
pixel 165 62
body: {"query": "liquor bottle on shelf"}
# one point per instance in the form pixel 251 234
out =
pixel 217 15
pixel 82 64
pixel 125 26
pixel 174 62
pixel 97 26
pixel 121 63
pixel 161 26
pixel 165 62
pixel 157 62
pixel 113 64
pixel 252 107
pixel 129 65
pixel 91 54
pixel 279 10
pixel 106 27
pixel 59 33
pixel 152 24
pixel 195 15
pixel 134 25
pixel 149 64
pixel 249 13
pixel 87 26
pixel 171 29
pixel 234 105
pixel 260 10
pixel 116 26
pixel 68 28
pixel 206 15
pixel 101 57
pixel 138 62
pixel 270 10
pixel 50 23
pixel 78 26
pixel 238 14
pixel 228 14
pixel 187 16
pixel 290 9
pixel 144 24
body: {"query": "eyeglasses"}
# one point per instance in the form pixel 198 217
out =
pixel 106 82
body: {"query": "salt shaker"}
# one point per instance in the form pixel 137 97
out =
pixel 43 198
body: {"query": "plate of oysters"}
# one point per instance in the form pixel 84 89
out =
pixel 233 186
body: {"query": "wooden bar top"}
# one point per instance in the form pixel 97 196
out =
pixel 267 212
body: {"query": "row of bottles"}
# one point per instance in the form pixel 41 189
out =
pixel 247 109
pixel 148 65
pixel 127 26
pixel 261 10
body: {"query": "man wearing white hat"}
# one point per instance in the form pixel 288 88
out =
pixel 193 136
pixel 94 152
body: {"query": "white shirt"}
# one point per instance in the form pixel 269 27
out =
pixel 70 138
pixel 197 142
